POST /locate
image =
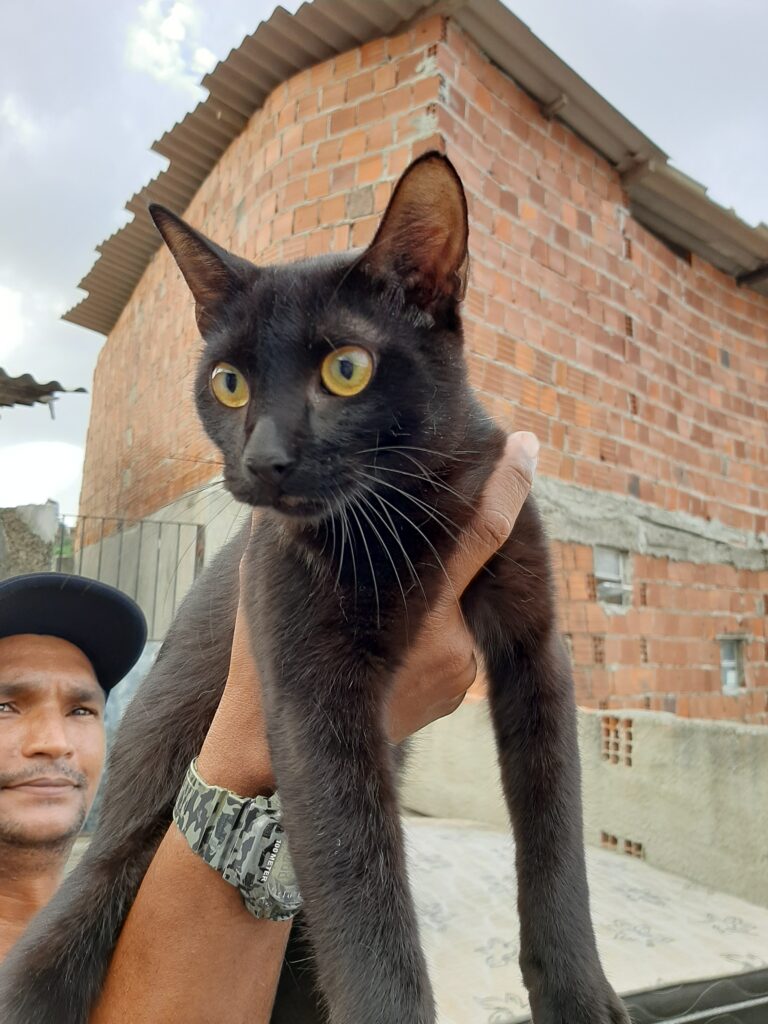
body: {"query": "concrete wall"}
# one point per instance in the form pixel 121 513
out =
pixel 153 562
pixel 220 516
pixel 119 698
pixel 212 507
pixel 695 796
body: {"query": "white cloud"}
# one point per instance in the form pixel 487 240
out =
pixel 33 472
pixel 11 321
pixel 165 43
pixel 22 125
pixel 203 60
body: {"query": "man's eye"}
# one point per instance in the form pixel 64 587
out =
pixel 4 706
pixel 83 711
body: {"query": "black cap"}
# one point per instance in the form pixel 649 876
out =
pixel 107 626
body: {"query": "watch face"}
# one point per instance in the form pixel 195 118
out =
pixel 281 883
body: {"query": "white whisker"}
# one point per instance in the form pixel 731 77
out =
pixel 431 512
pixel 370 522
pixel 352 508
pixel 429 543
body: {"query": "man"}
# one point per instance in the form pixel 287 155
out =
pixel 65 642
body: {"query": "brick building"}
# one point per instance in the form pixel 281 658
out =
pixel 613 309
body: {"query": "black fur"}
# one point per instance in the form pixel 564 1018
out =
pixel 367 496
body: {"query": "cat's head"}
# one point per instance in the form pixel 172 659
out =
pixel 316 374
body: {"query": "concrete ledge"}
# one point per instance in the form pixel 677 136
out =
pixel 579 515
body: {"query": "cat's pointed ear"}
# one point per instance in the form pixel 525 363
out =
pixel 214 275
pixel 421 243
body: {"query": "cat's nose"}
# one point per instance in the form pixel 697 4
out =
pixel 270 469
pixel 266 456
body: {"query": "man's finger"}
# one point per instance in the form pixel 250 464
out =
pixel 503 497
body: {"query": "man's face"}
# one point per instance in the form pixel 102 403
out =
pixel 51 740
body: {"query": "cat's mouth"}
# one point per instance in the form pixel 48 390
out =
pixel 295 505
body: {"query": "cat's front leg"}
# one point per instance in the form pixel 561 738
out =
pixel 335 775
pixel 534 716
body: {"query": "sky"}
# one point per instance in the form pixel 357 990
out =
pixel 86 86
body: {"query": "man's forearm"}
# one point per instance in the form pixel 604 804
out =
pixel 189 951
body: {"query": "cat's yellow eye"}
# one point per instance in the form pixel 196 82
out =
pixel 229 386
pixel 347 371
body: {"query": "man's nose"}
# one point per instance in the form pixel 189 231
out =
pixel 266 454
pixel 47 735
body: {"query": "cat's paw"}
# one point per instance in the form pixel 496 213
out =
pixel 580 1004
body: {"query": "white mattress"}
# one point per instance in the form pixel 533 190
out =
pixel 653 928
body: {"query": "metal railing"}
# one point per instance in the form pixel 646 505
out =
pixel 153 561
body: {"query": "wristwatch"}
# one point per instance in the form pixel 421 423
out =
pixel 243 839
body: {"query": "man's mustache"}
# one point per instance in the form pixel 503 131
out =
pixel 50 771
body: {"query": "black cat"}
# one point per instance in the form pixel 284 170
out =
pixel 336 392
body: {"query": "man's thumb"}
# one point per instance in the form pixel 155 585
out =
pixel 500 505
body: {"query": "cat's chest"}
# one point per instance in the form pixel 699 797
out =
pixel 350 599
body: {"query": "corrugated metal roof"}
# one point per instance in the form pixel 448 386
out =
pixel 25 390
pixel 667 201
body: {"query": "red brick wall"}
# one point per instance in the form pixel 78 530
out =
pixel 661 652
pixel 642 374
pixel 590 330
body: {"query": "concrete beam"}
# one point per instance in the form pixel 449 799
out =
pixel 578 515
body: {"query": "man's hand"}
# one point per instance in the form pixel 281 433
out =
pixel 440 666
pixel 438 670
pixel 235 753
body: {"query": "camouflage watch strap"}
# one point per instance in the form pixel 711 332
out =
pixel 243 839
